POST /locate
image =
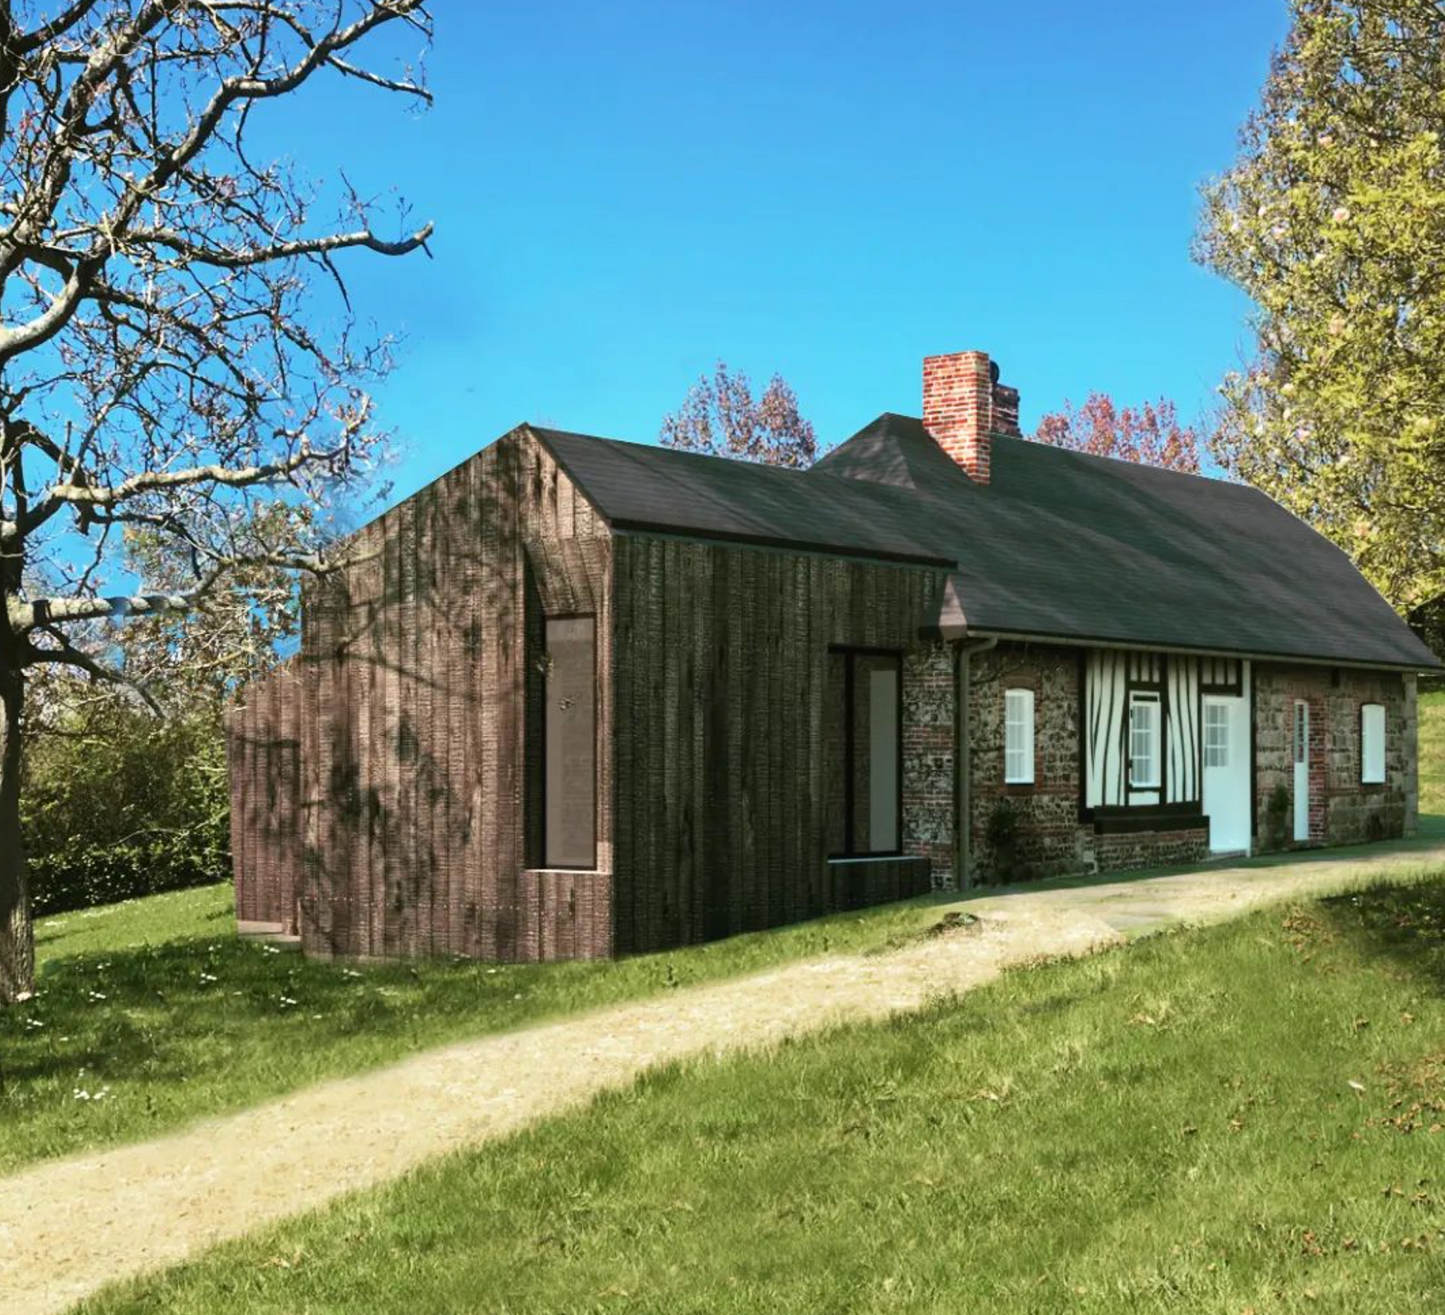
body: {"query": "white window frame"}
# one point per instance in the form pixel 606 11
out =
pixel 1372 744
pixel 1139 700
pixel 1018 751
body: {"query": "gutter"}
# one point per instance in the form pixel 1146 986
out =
pixel 963 653
pixel 1253 655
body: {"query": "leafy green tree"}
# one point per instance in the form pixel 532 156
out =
pixel 1333 220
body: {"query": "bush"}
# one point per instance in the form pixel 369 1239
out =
pixel 1276 812
pixel 119 803
pixel 1002 834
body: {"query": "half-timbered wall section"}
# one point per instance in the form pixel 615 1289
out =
pixel 729 788
pixel 1172 684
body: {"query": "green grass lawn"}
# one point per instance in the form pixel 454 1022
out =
pixel 1432 752
pixel 1243 1118
pixel 151 1013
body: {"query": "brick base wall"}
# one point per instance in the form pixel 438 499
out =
pixel 1151 849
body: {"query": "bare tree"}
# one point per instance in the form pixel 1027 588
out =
pixel 179 370
pixel 720 417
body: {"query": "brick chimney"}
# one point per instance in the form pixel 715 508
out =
pixel 964 405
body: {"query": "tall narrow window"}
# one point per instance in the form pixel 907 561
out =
pixel 570 744
pixel 1018 753
pixel 1144 741
pixel 872 745
pixel 1372 744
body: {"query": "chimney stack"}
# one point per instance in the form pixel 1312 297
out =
pixel 964 405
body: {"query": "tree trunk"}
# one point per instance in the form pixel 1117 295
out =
pixel 17 943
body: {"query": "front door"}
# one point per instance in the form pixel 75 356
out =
pixel 1301 770
pixel 1226 773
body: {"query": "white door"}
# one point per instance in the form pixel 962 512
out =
pixel 1226 773
pixel 1301 770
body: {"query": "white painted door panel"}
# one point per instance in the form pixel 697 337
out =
pixel 1226 753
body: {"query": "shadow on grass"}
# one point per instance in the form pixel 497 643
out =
pixel 1404 925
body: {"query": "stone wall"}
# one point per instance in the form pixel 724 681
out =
pixel 1053 839
pixel 928 757
pixel 1342 809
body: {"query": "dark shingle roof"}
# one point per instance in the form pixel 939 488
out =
pixel 1058 544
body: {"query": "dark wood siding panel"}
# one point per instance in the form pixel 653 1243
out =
pixel 409 708
pixel 723 663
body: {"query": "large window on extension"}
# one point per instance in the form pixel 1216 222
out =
pixel 1372 744
pixel 1144 741
pixel 569 806
pixel 1018 753
pixel 872 752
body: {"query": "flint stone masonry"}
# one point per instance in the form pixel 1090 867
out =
pixel 1343 810
pixel 1055 839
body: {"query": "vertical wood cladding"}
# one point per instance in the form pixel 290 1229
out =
pixel 267 802
pixel 408 707
pixel 726 692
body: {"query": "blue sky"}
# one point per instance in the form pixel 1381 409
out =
pixel 623 194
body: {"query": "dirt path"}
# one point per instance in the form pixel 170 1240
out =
pixel 68 1227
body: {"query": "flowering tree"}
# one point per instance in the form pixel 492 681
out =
pixel 720 417
pixel 1150 434
pixel 1331 219
pixel 181 388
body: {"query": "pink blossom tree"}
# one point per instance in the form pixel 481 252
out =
pixel 1149 434
pixel 720 417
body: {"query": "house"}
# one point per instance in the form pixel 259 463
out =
pixel 583 698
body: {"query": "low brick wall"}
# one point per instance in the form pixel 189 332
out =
pixel 1151 849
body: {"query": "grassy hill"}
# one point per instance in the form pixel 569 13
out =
pixel 1432 753
pixel 1244 1118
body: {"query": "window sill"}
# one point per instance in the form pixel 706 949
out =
pixel 841 859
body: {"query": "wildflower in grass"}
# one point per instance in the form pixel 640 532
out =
pixel 209 977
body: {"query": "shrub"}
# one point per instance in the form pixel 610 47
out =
pixel 119 803
pixel 1276 810
pixel 1002 834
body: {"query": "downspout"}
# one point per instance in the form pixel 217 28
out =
pixel 963 653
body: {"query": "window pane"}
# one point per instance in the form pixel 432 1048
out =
pixel 1143 742
pixel 882 674
pixel 1216 735
pixel 1372 746
pixel 869 753
pixel 570 804
pixel 1018 767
